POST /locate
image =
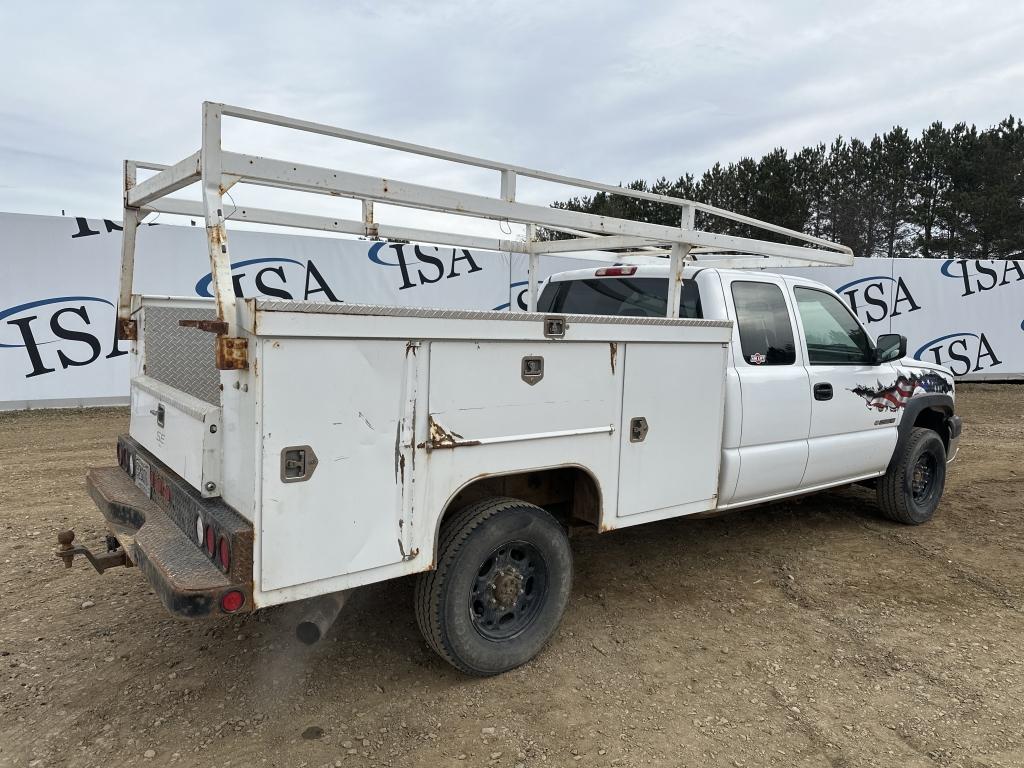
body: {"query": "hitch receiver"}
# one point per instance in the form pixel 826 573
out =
pixel 114 557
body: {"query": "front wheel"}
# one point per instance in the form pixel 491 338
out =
pixel 503 577
pixel 910 490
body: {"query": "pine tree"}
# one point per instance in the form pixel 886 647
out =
pixel 929 178
pixel 892 188
pixel 951 193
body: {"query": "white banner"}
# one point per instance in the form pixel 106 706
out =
pixel 967 315
pixel 58 296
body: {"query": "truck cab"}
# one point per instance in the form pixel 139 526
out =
pixel 812 401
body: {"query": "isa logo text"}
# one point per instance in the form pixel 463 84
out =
pixel 980 276
pixel 878 297
pixel 962 352
pixel 59 332
pixel 421 265
pixel 276 278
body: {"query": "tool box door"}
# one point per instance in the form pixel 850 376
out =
pixel 342 401
pixel 671 436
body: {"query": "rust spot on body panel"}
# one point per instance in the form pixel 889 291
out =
pixel 613 352
pixel 398 447
pixel 412 553
pixel 210 326
pixel 127 330
pixel 216 235
pixel 232 353
pixel 439 437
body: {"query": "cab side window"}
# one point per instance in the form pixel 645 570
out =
pixel 833 335
pixel 766 330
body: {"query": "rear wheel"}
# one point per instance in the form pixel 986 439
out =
pixel 503 577
pixel 910 491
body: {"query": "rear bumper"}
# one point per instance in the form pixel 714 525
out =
pixel 188 582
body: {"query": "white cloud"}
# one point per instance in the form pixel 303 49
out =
pixel 611 91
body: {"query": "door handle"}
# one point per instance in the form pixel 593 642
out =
pixel 823 391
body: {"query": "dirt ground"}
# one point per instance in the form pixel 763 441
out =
pixel 810 633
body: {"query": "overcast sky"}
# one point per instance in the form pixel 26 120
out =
pixel 610 91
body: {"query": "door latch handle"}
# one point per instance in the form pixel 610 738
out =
pixel 823 391
pixel 298 462
pixel 638 429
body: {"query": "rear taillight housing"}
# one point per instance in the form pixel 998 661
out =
pixel 211 541
pixel 615 271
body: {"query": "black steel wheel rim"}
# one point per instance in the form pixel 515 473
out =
pixel 923 477
pixel 508 591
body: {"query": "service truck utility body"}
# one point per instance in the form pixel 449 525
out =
pixel 283 451
pixel 403 409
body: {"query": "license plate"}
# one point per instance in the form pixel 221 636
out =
pixel 142 475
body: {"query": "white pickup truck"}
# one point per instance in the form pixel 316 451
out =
pixel 284 451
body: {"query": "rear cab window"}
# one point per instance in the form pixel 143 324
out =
pixel 764 324
pixel 621 296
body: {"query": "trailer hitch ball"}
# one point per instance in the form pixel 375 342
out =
pixel 114 557
pixel 65 547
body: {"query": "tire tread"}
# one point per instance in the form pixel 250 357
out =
pixel 889 491
pixel 454 532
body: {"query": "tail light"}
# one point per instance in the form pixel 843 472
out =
pixel 615 271
pixel 161 488
pixel 232 601
pixel 211 541
pixel 224 553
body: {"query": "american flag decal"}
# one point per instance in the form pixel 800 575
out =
pixel 896 395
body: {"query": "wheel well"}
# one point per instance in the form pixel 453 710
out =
pixel 935 420
pixel 571 494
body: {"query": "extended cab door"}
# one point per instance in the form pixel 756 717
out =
pixel 853 424
pixel 769 454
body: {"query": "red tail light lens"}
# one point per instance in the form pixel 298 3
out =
pixel 211 541
pixel 161 488
pixel 615 271
pixel 232 601
pixel 224 553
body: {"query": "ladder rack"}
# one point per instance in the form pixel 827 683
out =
pixel 218 170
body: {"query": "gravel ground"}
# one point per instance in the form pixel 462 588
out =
pixel 807 633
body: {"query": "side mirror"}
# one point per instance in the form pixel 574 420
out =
pixel 890 346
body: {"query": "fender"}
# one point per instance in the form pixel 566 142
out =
pixel 942 403
pixel 449 505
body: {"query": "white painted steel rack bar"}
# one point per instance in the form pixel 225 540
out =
pixel 218 170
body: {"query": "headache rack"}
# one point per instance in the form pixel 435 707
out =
pixel 622 240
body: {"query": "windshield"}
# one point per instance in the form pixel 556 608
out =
pixel 622 296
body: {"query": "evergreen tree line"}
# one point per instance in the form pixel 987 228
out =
pixel 949 193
